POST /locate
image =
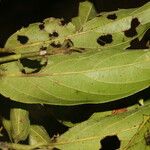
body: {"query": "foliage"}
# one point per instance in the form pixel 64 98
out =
pixel 80 62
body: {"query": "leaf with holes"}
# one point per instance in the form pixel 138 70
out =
pixel 115 29
pixel 97 132
pixel 94 77
pixel 107 30
pixel 40 36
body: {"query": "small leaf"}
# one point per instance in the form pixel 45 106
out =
pixel 38 135
pixel 7 126
pixel 86 13
pixel 90 134
pixel 20 124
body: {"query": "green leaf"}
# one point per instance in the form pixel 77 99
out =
pixel 101 28
pixel 94 77
pixel 98 33
pixel 7 126
pixel 141 140
pixel 86 13
pixel 39 36
pixel 71 116
pixel 1 131
pixel 20 124
pixel 38 135
pixel 88 134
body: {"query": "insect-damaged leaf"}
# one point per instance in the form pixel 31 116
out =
pixel 20 124
pixel 40 36
pixel 118 130
pixel 94 77
pixel 107 30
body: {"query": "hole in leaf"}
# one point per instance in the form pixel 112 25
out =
pixel 55 45
pixel 136 44
pixel 43 48
pixel 6 54
pixel 55 148
pixel 22 39
pixel 147 138
pixel 110 143
pixel 41 26
pixel 54 34
pixel 112 16
pixel 32 64
pixel 104 39
pixel 69 43
pixel 132 31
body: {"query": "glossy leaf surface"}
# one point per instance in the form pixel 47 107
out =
pixel 107 30
pixel 94 77
pixel 92 132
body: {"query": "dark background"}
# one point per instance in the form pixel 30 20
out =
pixel 17 13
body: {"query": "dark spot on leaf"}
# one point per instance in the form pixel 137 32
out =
pixel 22 39
pixel 43 48
pixel 112 16
pixel 104 39
pixel 77 91
pixel 54 34
pixel 32 64
pixel 136 44
pixel 123 40
pixel 78 50
pixel 110 143
pixel 82 49
pixel 55 45
pixel 56 148
pixel 69 43
pixel 2 70
pixel 41 26
pixel 147 138
pixel 6 54
pixel 132 31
